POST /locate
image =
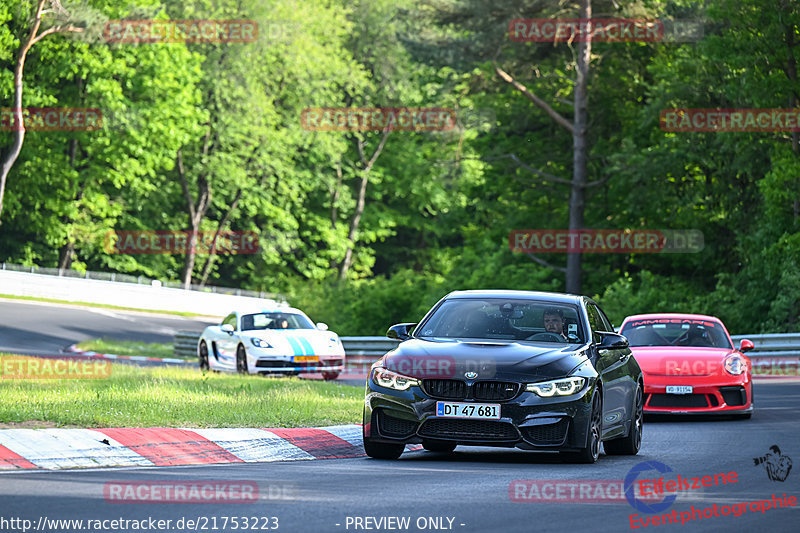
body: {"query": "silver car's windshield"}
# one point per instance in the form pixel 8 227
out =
pixel 275 321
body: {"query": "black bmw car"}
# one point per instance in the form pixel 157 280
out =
pixel 532 370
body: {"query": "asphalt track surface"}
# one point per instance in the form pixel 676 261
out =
pixel 470 486
pixel 34 328
pixel 465 491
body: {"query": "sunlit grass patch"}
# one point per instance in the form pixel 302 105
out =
pixel 145 349
pixel 178 397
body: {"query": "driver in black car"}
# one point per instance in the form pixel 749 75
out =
pixel 554 321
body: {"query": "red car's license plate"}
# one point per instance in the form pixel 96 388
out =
pixel 679 389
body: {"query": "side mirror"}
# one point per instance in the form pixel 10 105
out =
pixel 402 331
pixel 322 325
pixel 227 328
pixel 746 345
pixel 612 341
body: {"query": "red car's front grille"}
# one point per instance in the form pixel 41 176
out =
pixel 734 395
pixel 678 400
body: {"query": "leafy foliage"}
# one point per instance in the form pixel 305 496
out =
pixel 438 206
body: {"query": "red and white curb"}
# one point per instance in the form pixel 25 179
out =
pixel 88 353
pixel 54 449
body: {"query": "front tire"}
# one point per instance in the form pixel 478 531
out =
pixel 327 376
pixel 630 444
pixel 591 452
pixel 747 416
pixel 203 355
pixel 380 450
pixel 241 360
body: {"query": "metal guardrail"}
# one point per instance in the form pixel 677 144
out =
pixel 772 344
pixel 365 350
pixel 185 344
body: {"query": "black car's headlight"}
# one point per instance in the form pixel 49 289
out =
pixel 258 343
pixel 557 387
pixel 392 380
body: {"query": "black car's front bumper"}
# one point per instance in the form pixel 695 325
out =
pixel 526 420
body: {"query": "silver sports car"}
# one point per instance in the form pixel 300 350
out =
pixel 269 341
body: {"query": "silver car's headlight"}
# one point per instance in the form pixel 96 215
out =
pixel 334 342
pixel 735 365
pixel 258 343
pixel 392 380
pixel 557 387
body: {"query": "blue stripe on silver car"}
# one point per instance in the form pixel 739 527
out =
pixel 296 348
pixel 306 345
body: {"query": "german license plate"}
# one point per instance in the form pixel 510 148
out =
pixel 490 411
pixel 679 389
pixel 305 358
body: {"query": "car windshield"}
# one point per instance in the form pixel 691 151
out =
pixel 275 321
pixel 676 332
pixel 504 319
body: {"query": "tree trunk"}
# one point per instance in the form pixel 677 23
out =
pixel 578 129
pixel 19 133
pixel 335 195
pixel 213 252
pixel 66 254
pixel 354 223
pixel 791 73
pixel 362 194
pixel 196 214
pixel 577 204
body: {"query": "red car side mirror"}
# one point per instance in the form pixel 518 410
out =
pixel 746 345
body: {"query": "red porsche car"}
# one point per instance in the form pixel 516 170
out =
pixel 690 365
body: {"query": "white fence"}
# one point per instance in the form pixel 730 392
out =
pixel 122 294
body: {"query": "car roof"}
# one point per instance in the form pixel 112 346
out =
pixel 672 315
pixel 525 295
pixel 274 309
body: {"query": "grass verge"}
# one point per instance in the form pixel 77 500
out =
pixel 102 306
pixel 175 397
pixel 146 349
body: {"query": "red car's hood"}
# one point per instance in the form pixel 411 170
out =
pixel 680 360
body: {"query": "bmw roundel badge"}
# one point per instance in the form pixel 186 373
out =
pixel 470 375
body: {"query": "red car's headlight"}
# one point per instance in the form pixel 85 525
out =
pixel 735 365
